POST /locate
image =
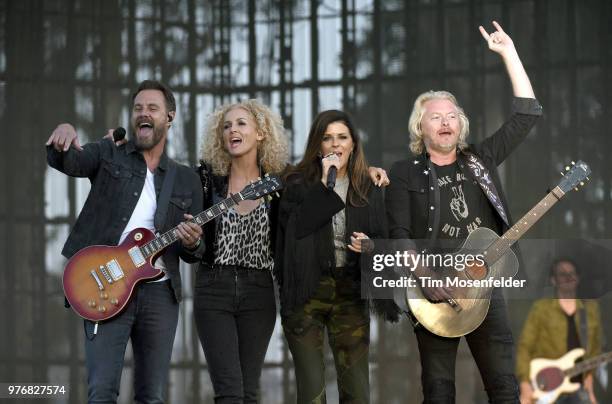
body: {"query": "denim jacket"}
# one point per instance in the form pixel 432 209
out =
pixel 117 176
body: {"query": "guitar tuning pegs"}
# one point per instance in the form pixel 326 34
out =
pixel 573 163
pixel 588 179
pixel 581 183
pixel 277 194
pixel 567 168
pixel 562 173
pixel 576 189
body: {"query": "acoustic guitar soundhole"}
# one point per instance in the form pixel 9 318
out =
pixel 549 378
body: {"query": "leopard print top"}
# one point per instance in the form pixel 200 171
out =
pixel 244 240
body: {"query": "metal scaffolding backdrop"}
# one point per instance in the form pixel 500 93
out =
pixel 79 60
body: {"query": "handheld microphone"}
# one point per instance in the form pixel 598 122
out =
pixel 118 134
pixel 331 177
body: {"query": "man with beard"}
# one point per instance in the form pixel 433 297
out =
pixel 126 183
pixel 441 194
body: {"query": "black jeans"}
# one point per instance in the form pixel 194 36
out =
pixel 492 347
pixel 235 312
pixel 150 321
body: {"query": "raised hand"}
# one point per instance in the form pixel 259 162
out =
pixel 63 137
pixel 498 41
pixel 501 43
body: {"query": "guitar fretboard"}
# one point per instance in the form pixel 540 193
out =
pixel 588 364
pixel 164 240
pixel 503 244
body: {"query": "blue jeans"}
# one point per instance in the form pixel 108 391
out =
pixel 492 347
pixel 150 321
pixel 235 312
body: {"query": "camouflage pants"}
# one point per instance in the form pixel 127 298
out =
pixel 337 306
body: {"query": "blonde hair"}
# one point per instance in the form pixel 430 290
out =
pixel 417 144
pixel 272 151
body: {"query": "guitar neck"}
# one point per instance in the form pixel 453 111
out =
pixel 164 240
pixel 586 365
pixel 503 244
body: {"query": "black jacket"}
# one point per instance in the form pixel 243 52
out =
pixel 117 176
pixel 215 190
pixel 305 249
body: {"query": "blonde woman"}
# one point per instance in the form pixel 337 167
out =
pixel 234 304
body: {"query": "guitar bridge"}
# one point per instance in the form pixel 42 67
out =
pixel 106 274
pixel 114 270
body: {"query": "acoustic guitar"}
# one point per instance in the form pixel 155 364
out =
pixel 469 305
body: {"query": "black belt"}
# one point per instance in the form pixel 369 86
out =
pixel 223 267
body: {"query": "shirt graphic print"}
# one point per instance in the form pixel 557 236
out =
pixel 464 207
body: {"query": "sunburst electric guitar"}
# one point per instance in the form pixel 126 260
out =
pixel 469 305
pixel 99 280
pixel 551 377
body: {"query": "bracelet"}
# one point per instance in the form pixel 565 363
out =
pixel 197 244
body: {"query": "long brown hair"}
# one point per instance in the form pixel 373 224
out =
pixel 310 166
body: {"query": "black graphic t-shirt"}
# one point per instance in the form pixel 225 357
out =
pixel 463 205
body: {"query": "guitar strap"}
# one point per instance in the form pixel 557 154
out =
pixel 204 178
pixel 483 177
pixel 583 327
pixel 164 196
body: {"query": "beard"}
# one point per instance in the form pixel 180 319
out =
pixel 148 143
pixel 439 147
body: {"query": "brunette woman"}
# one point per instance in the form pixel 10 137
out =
pixel 317 262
